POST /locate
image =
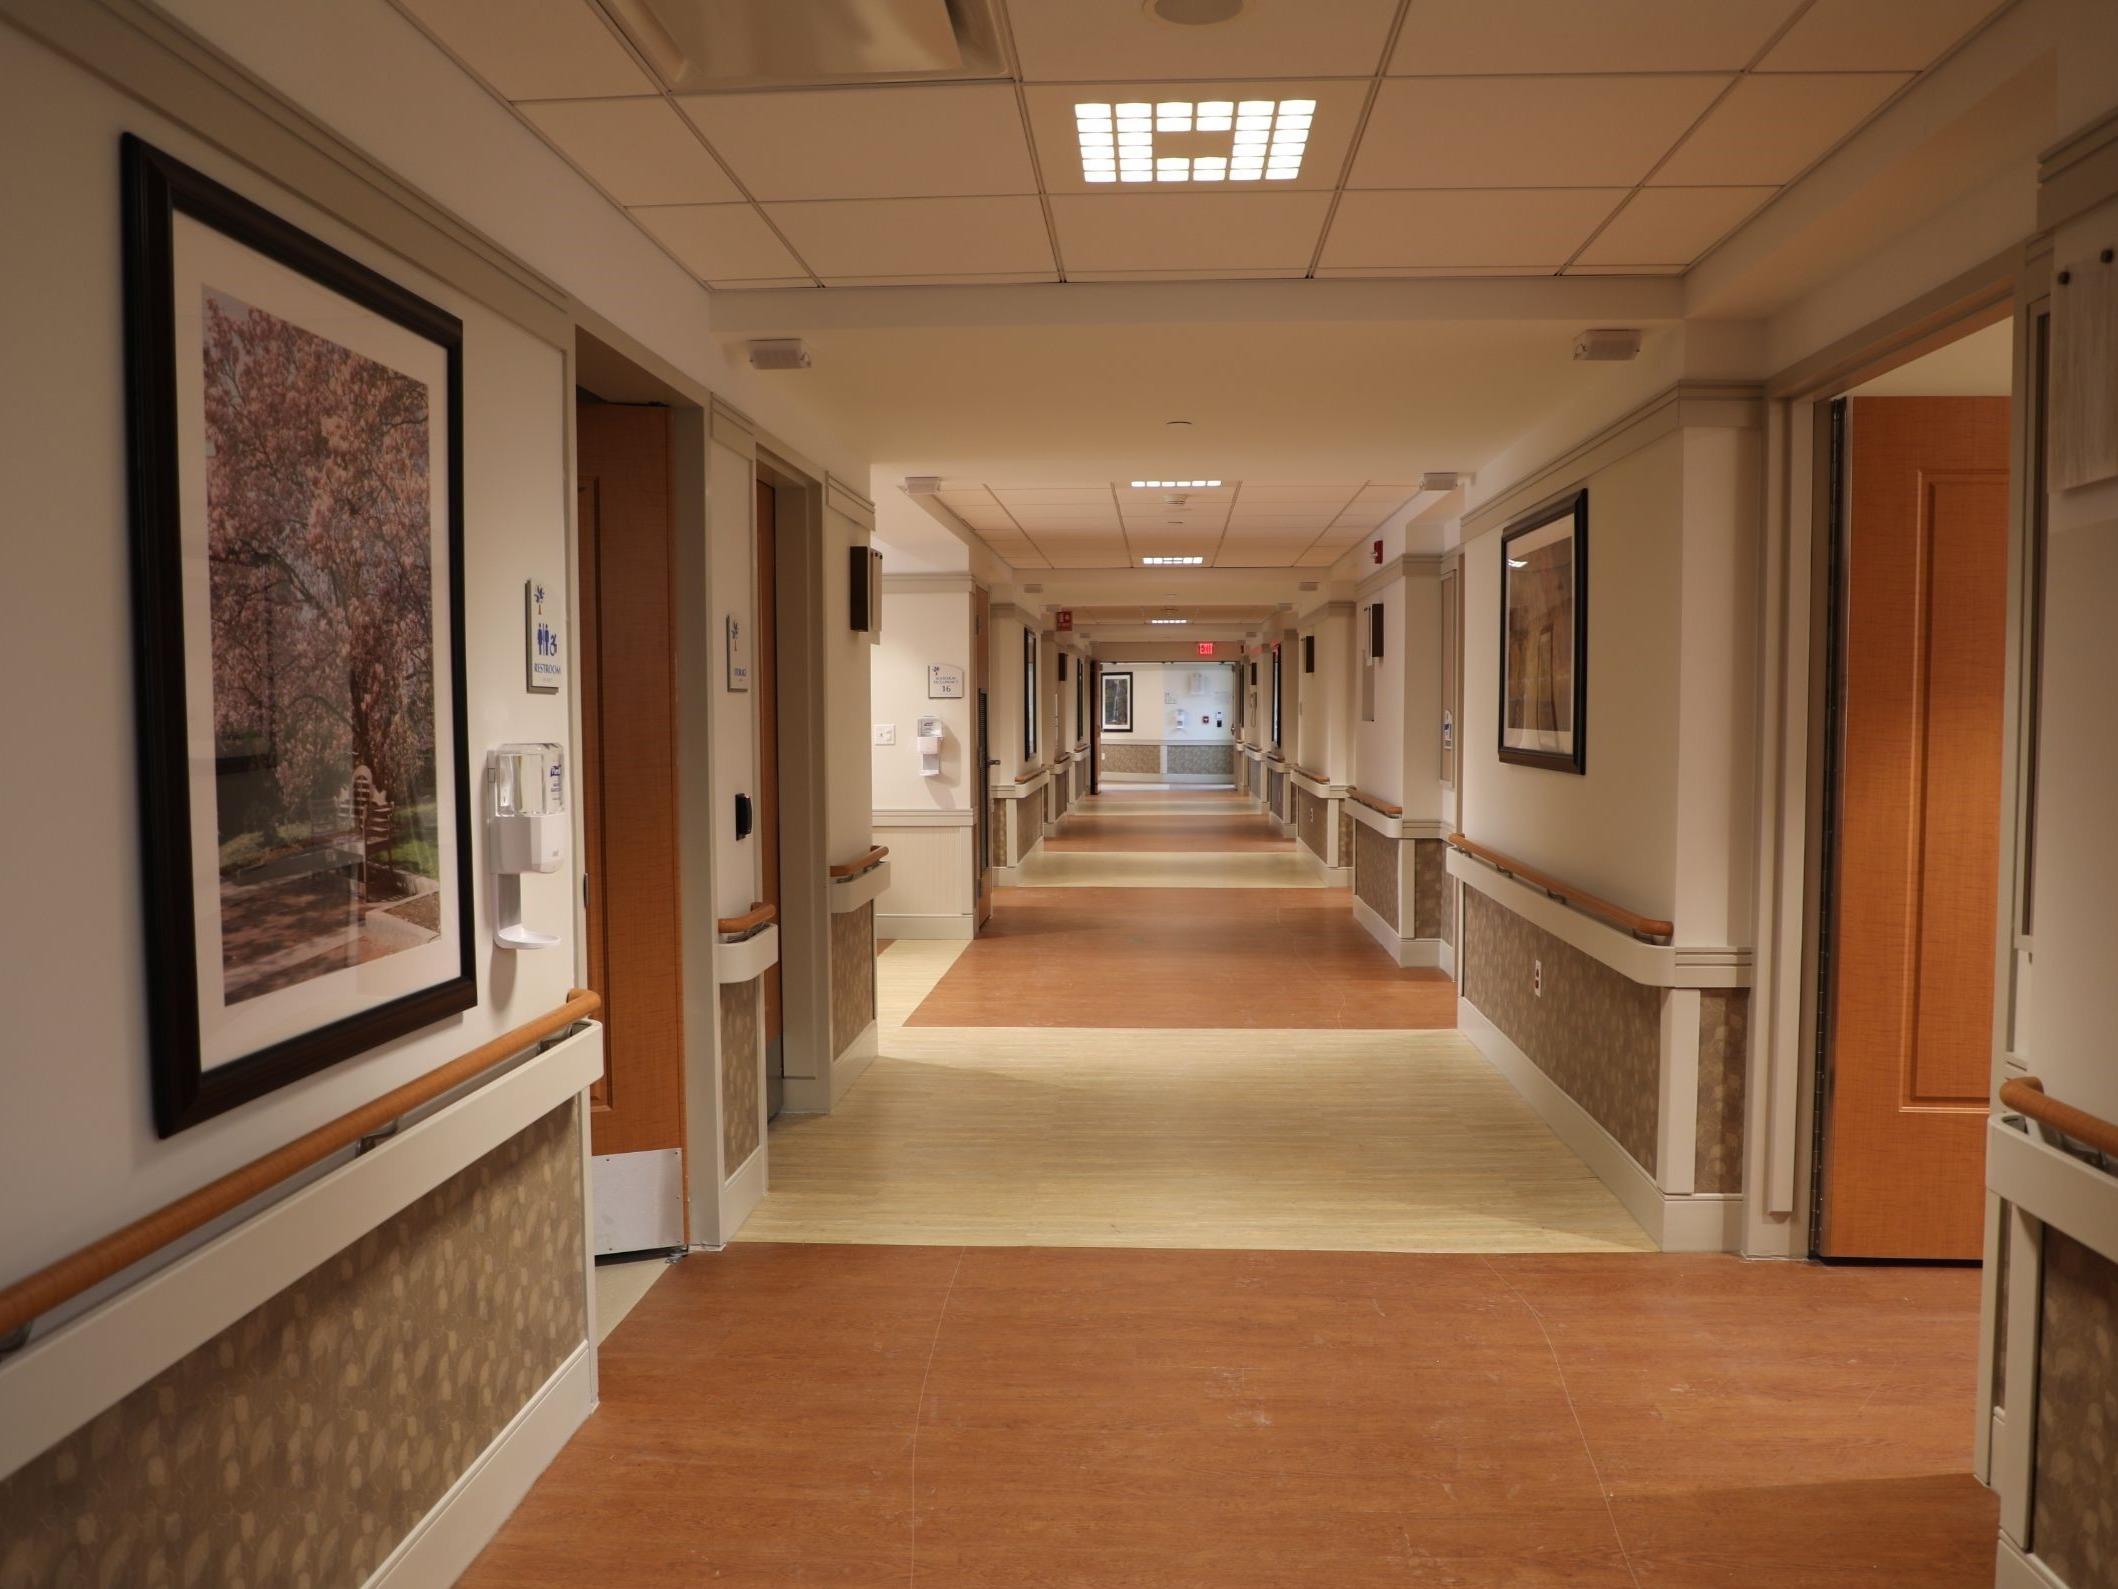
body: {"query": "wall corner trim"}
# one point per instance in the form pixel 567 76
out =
pixel 2078 173
pixel 844 500
pixel 1723 405
pixel 733 429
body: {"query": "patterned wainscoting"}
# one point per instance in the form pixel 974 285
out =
pixel 742 1036
pixel 852 975
pixel 1241 764
pixel 1056 793
pixel 2074 1512
pixel 1375 871
pixel 1276 792
pixel 1125 757
pixel 1345 835
pixel 1312 815
pixel 1724 1058
pixel 302 1443
pixel 999 831
pixel 1430 886
pixel 1595 1033
pixel 1199 760
pixel 1450 931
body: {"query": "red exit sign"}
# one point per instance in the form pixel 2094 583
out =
pixel 1205 648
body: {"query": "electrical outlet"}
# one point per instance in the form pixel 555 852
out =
pixel 1536 979
pixel 885 733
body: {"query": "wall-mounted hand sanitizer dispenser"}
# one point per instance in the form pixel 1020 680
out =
pixel 930 737
pixel 525 831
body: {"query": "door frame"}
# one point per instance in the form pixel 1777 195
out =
pixel 805 905
pixel 1785 1067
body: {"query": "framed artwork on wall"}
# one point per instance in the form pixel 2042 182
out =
pixel 1544 637
pixel 1118 702
pixel 294 425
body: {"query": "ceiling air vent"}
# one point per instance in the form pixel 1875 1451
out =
pixel 1440 480
pixel 779 353
pixel 701 46
pixel 1607 346
pixel 922 485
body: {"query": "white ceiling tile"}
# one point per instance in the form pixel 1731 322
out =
pixel 1028 494
pixel 1874 35
pixel 1298 490
pixel 925 278
pixel 1769 129
pixel 1190 230
pixel 535 49
pixel 720 242
pixel 1088 40
pixel 1500 36
pixel 1338 107
pixel 759 283
pixel 1526 132
pixel 1515 226
pixel 911 237
pixel 901 141
pixel 1432 272
pixel 1281 273
pixel 1625 270
pixel 1673 226
pixel 637 150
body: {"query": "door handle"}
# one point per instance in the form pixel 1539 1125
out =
pixel 992 761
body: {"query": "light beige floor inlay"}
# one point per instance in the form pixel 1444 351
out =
pixel 1309 1140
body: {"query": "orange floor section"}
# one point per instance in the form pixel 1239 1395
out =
pixel 1182 957
pixel 994 1418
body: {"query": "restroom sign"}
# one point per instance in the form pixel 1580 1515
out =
pixel 543 657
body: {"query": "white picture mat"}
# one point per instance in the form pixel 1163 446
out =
pixel 1516 736
pixel 202 258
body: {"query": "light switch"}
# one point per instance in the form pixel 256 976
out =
pixel 885 733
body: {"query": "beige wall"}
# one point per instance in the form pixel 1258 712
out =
pixel 79 1144
pixel 922 628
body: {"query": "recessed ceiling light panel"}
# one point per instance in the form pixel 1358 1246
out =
pixel 1169 620
pixel 1175 485
pixel 1184 140
pixel 1172 562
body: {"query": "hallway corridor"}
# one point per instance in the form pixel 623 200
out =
pixel 1393 1331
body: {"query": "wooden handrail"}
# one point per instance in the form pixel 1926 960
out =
pixel 867 863
pixel 29 1299
pixel 1382 807
pixel 1313 777
pixel 1646 928
pixel 2027 1096
pixel 758 915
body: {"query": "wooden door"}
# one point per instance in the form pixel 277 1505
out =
pixel 628 774
pixel 767 683
pixel 1909 946
pixel 983 758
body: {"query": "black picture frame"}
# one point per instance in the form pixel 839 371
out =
pixel 1107 681
pixel 155 188
pixel 1573 758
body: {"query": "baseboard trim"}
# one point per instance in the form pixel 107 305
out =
pixel 949 927
pixel 2012 1569
pixel 443 1544
pixel 1406 952
pixel 1334 876
pixel 859 1055
pixel 741 1193
pixel 1703 1222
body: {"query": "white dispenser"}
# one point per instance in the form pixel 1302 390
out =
pixel 525 831
pixel 930 736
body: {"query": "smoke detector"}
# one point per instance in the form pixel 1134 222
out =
pixel 922 485
pixel 1611 345
pixel 779 353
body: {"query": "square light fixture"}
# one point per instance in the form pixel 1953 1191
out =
pixel 1182 140
pixel 1175 485
pixel 1172 562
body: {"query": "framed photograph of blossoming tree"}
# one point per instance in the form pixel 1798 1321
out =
pixel 295 452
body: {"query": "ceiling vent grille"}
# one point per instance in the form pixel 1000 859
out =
pixel 707 46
